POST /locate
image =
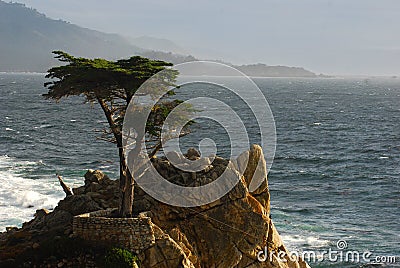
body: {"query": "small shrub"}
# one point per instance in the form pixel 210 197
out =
pixel 120 258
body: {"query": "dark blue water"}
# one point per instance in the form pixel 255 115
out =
pixel 336 173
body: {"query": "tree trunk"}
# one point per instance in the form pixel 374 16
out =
pixel 127 188
pixel 127 198
pixel 125 176
pixel 126 182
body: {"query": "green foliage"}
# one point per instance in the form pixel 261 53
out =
pixel 120 258
pixel 100 78
pixel 112 84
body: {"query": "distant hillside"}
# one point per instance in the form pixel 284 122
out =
pixel 262 70
pixel 255 70
pixel 167 56
pixel 27 38
pixel 157 44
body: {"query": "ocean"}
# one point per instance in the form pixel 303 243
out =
pixel 335 175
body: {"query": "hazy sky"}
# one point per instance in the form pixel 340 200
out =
pixel 327 36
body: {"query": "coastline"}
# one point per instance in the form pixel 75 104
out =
pixel 195 233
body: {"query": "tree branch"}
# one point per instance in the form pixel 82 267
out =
pixel 155 150
pixel 110 121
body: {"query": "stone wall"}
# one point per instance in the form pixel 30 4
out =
pixel 134 234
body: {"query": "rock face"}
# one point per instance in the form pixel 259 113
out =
pixel 167 252
pixel 229 232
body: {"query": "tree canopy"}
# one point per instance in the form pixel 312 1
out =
pixel 101 78
pixel 111 84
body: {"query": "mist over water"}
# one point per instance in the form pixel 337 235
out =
pixel 336 172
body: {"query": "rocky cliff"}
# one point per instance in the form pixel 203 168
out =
pixel 229 232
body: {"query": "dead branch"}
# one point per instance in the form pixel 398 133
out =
pixel 66 189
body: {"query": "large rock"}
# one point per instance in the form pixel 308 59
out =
pixel 78 204
pixel 96 176
pixel 166 253
pixel 229 232
pixel 253 166
pixel 100 188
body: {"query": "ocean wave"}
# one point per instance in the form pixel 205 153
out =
pixel 20 197
pixel 44 126
pixel 294 242
pixel 297 210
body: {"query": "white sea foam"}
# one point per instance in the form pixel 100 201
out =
pixel 299 242
pixel 45 126
pixel 20 197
